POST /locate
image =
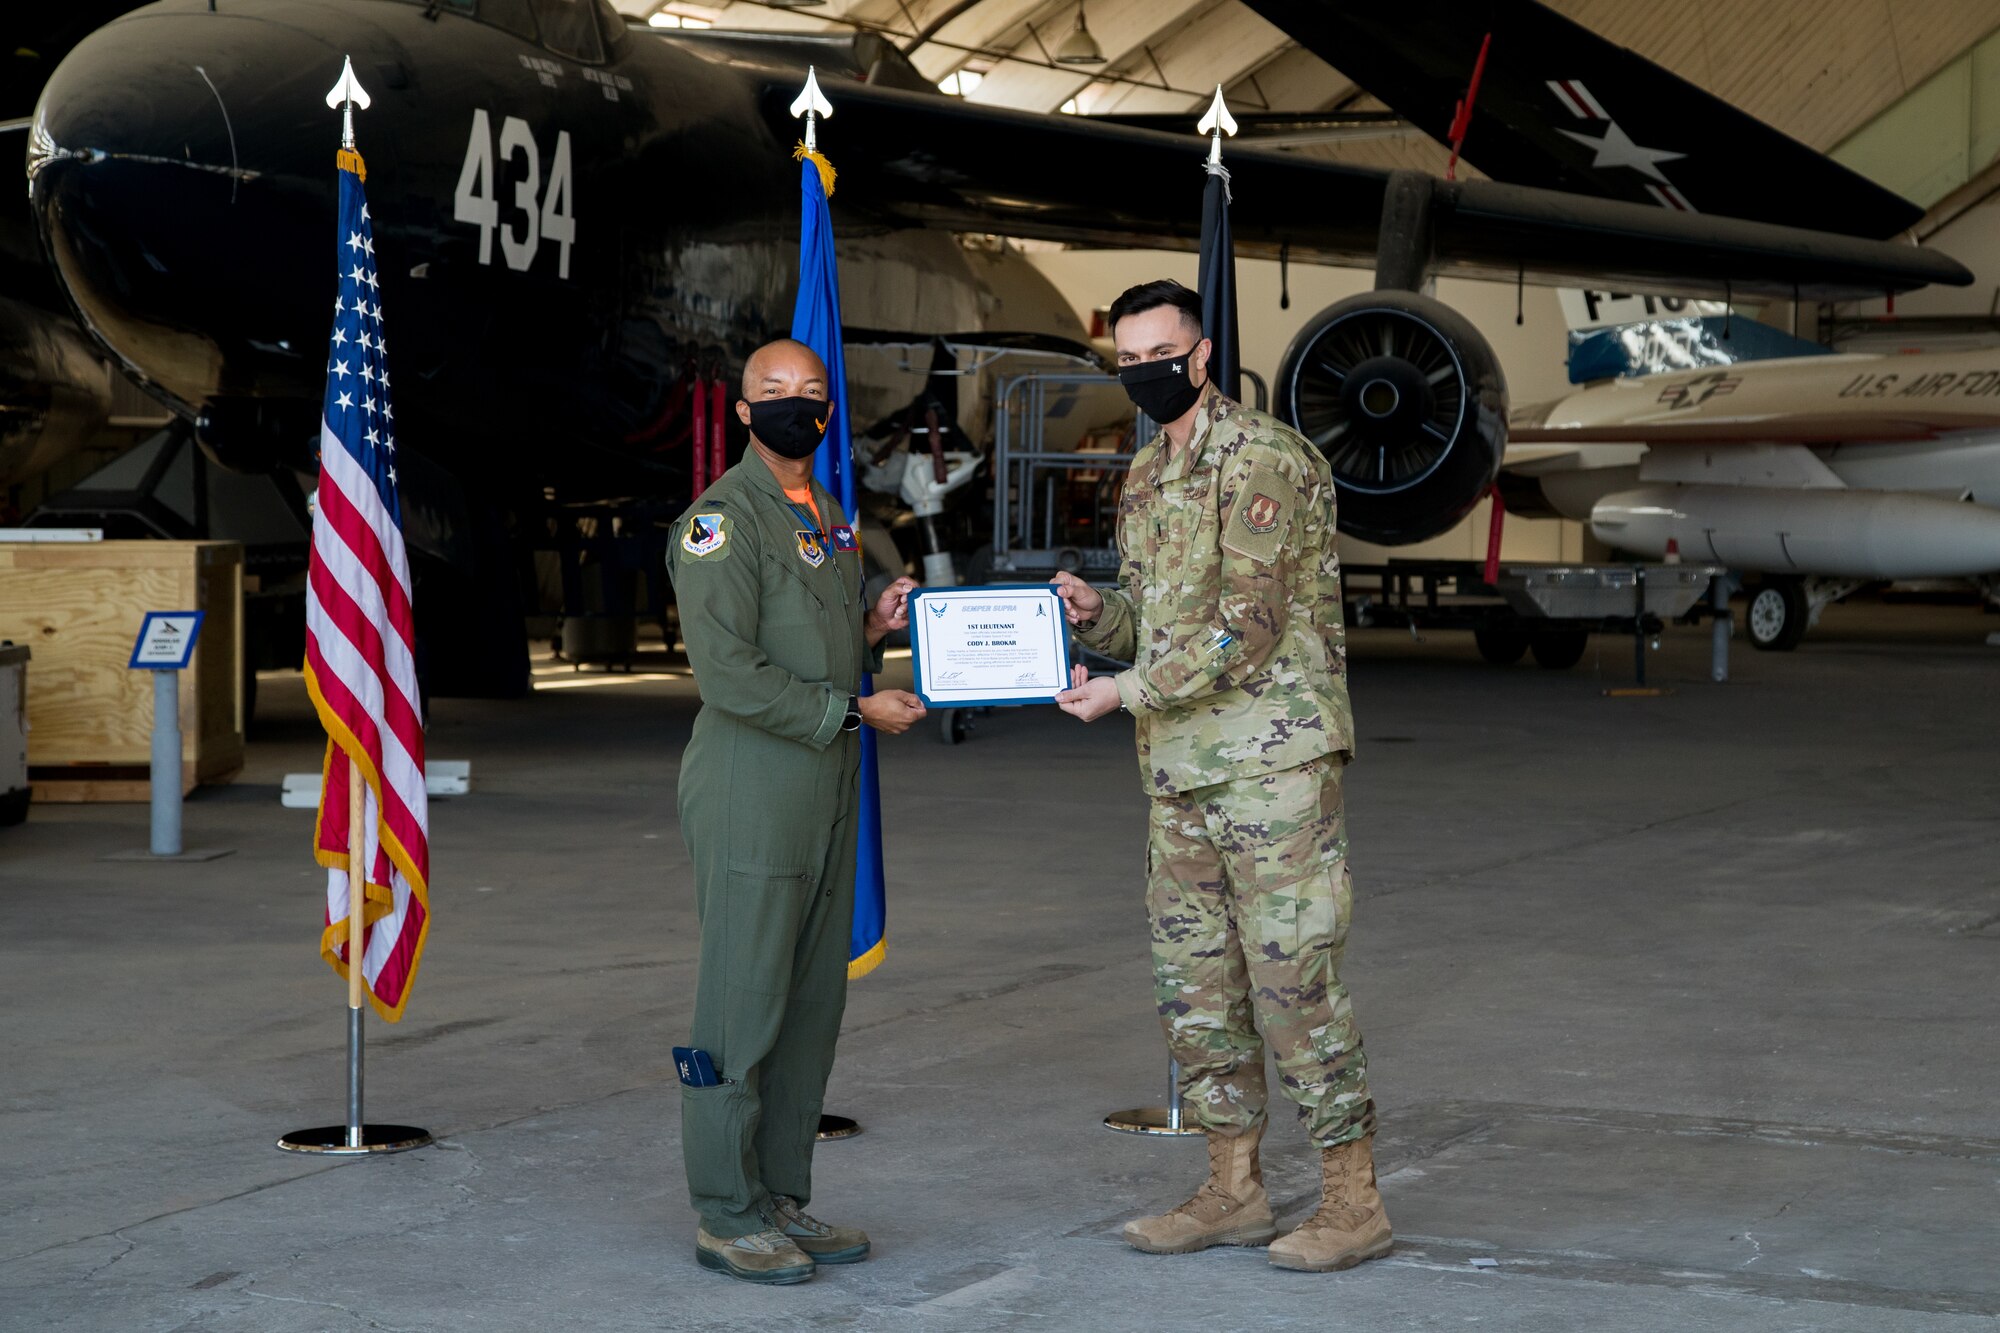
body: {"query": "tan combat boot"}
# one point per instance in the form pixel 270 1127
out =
pixel 1230 1208
pixel 1350 1225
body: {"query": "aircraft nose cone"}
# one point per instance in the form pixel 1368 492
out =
pixel 166 171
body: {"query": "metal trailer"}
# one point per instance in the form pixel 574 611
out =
pixel 1549 610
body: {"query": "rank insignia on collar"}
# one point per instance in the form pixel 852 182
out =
pixel 1262 513
pixel 843 539
pixel 810 550
pixel 706 534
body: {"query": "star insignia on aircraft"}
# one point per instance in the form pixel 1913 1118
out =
pixel 1616 149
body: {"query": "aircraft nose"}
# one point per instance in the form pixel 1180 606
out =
pixel 166 169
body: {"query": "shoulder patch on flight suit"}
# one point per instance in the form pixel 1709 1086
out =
pixel 1255 525
pixel 706 536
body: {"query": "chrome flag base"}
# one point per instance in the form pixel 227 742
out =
pixel 837 1127
pixel 1150 1120
pixel 1168 1120
pixel 356 1138
pixel 331 1140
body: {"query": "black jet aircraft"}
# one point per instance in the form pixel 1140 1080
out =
pixel 54 390
pixel 577 219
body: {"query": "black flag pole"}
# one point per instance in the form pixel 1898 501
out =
pixel 1217 283
pixel 1216 278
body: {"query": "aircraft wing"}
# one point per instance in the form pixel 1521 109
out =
pixel 918 159
pixel 1562 108
pixel 1809 400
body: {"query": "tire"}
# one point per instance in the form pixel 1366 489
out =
pixel 1777 614
pixel 952 726
pixel 1502 645
pixel 1559 649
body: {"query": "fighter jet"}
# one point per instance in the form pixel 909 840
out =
pixel 1813 475
pixel 577 220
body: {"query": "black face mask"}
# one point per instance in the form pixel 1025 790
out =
pixel 790 427
pixel 1161 389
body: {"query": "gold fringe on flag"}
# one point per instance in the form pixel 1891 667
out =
pixel 349 160
pixel 826 172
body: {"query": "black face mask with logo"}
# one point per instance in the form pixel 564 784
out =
pixel 1161 389
pixel 790 427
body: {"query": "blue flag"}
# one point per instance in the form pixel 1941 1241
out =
pixel 816 323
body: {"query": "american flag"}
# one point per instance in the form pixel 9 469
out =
pixel 360 643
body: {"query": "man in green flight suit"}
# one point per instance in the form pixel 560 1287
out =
pixel 1229 611
pixel 767 576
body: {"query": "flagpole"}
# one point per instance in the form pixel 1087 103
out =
pixel 1218 303
pixel 811 106
pixel 357 986
pixel 356 1137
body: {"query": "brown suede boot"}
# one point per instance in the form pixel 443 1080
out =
pixel 1230 1208
pixel 1350 1225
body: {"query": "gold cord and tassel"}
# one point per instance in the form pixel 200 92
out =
pixel 826 172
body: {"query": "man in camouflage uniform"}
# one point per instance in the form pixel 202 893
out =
pixel 1229 609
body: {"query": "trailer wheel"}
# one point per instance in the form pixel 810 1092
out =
pixel 1502 645
pixel 1559 649
pixel 1777 616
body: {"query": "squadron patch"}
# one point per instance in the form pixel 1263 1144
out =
pixel 706 534
pixel 1261 514
pixel 810 550
pixel 1256 524
pixel 843 539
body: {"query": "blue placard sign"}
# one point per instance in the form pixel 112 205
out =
pixel 166 640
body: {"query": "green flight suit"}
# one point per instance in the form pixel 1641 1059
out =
pixel 772 615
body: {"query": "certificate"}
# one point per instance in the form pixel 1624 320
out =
pixel 1001 644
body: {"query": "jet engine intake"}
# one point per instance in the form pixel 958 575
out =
pixel 1407 402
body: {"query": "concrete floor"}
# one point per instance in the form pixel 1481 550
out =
pixel 1681 1011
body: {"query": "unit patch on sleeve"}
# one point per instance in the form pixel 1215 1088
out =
pixel 706 535
pixel 1256 524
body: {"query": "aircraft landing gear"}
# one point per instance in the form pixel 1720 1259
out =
pixel 1778 615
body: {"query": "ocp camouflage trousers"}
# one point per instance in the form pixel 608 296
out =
pixel 1248 890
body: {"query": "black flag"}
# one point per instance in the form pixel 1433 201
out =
pixel 1217 282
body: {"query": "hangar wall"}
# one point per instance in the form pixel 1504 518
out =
pixel 1532 355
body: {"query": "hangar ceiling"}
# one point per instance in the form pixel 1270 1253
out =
pixel 1819 70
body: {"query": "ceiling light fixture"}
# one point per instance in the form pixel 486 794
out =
pixel 1079 48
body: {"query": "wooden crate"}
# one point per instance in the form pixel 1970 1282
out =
pixel 90 716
